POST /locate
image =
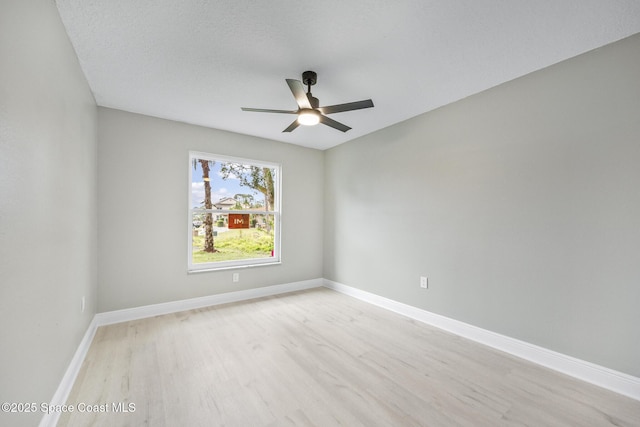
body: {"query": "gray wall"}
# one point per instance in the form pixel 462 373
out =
pixel 48 204
pixel 521 204
pixel 142 227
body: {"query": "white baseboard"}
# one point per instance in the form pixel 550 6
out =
pixel 107 318
pixel 125 315
pixel 69 378
pixel 589 372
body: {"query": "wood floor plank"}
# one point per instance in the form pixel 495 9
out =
pixel 320 358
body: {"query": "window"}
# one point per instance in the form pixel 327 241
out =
pixel 234 212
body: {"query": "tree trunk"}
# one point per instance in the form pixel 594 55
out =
pixel 269 194
pixel 270 191
pixel 208 219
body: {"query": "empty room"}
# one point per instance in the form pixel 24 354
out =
pixel 297 213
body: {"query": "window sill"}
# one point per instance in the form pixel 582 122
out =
pixel 232 267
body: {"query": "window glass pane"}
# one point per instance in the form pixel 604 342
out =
pixel 253 239
pixel 218 188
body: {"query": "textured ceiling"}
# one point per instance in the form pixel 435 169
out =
pixel 199 61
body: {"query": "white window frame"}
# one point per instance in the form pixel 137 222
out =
pixel 276 212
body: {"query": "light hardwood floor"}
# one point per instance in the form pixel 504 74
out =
pixel 320 358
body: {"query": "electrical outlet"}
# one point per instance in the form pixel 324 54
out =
pixel 236 277
pixel 424 282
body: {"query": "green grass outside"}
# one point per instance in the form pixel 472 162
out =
pixel 235 244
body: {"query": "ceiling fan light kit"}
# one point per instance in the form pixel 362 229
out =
pixel 308 117
pixel 309 111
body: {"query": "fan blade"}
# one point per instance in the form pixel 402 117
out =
pixel 332 123
pixel 350 106
pixel 262 110
pixel 292 126
pixel 298 93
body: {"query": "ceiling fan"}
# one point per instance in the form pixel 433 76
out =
pixel 309 112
